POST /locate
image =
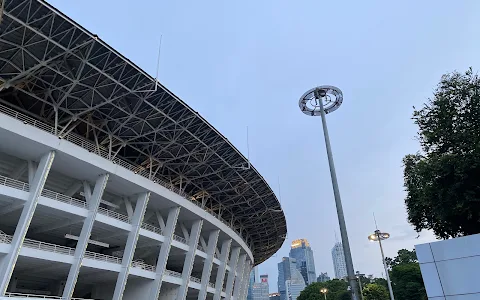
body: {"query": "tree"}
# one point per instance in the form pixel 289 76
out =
pixel 406 277
pixel 408 282
pixel 344 296
pixel 441 181
pixel 336 288
pixel 404 256
pixel 380 281
pixel 375 292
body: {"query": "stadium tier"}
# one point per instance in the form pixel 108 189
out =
pixel 111 187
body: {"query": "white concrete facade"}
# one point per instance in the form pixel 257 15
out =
pixel 51 187
pixel 450 268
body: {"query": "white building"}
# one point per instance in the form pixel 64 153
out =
pixel 110 186
pixel 339 264
pixel 450 268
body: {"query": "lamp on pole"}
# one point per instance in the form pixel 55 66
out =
pixel 324 291
pixel 378 236
pixel 359 276
pixel 320 101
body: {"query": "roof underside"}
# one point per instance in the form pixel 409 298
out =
pixel 53 69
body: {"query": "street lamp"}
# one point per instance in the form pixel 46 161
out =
pixel 324 291
pixel 378 236
pixel 320 101
pixel 359 276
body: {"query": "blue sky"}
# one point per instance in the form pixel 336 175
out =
pixel 246 63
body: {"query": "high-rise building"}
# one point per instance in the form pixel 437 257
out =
pixel 288 271
pixel 339 264
pixel 261 289
pixel 303 253
pixel 294 288
pixel 323 277
pixel 252 280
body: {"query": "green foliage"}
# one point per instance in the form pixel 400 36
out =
pixel 407 281
pixel 442 187
pixel 404 256
pixel 375 292
pixel 344 296
pixel 380 281
pixel 336 289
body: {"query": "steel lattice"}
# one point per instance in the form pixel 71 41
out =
pixel 59 73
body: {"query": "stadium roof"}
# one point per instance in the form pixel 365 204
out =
pixel 57 72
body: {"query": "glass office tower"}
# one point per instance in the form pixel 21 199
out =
pixel 303 254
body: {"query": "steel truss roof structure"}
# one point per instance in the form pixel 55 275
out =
pixel 59 73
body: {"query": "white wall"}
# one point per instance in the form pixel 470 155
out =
pixel 451 268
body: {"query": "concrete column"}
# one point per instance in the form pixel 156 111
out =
pixel 93 201
pixel 238 278
pixel 132 239
pixel 36 186
pixel 222 268
pixel 189 259
pixel 208 264
pixel 168 232
pixel 234 259
pixel 245 281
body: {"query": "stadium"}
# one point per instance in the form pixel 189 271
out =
pixel 111 187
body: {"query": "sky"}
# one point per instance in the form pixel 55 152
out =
pixel 246 63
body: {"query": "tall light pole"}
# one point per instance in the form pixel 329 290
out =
pixel 378 236
pixel 359 276
pixel 320 101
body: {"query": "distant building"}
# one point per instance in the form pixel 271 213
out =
pixel 323 277
pixel 261 289
pixel 274 296
pixel 288 272
pixel 303 253
pixel 339 263
pixel 252 280
pixel 294 288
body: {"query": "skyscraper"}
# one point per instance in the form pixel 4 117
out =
pixel 294 288
pixel 339 264
pixel 252 280
pixel 260 289
pixel 288 274
pixel 303 253
pixel 323 277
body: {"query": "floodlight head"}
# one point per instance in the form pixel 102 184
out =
pixel 375 237
pixel 325 96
